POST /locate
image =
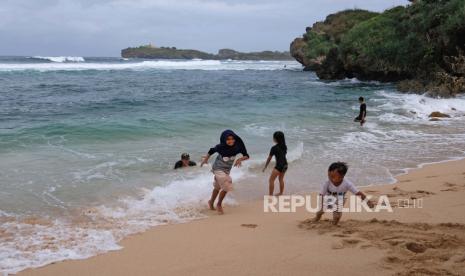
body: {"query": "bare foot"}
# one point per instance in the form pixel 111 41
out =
pixel 278 194
pixel 220 209
pixel 210 204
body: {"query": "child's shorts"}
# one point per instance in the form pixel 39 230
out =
pixel 222 181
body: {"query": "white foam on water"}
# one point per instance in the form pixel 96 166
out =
pixel 30 244
pixel 153 64
pixel 413 108
pixel 61 59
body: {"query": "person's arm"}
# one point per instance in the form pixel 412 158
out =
pixel 239 161
pixel 205 160
pixel 323 192
pixel 268 160
pixel 356 192
pixel 206 157
pixel 177 165
pixel 363 196
pixel 244 157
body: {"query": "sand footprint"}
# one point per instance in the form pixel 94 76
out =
pixel 350 242
pixel 249 225
pixel 411 248
pixel 451 187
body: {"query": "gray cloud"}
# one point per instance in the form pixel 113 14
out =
pixel 103 27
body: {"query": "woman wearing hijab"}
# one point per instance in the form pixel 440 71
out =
pixel 230 145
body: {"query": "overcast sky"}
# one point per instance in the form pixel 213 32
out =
pixel 104 27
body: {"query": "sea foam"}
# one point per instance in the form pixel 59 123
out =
pixel 61 59
pixel 77 65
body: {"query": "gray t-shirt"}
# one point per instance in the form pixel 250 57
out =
pixel 223 163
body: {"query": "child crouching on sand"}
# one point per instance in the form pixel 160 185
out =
pixel 230 145
pixel 337 186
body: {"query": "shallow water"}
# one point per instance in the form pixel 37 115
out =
pixel 87 145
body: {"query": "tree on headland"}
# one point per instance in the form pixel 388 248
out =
pixel 419 46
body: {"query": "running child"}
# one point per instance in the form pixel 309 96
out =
pixel 230 145
pixel 279 151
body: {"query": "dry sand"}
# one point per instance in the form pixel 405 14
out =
pixel 247 241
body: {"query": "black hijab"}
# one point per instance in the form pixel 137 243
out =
pixel 227 151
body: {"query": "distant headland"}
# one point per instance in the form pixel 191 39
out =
pixel 420 47
pixel 152 52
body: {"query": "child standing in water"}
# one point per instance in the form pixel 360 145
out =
pixel 279 151
pixel 363 111
pixel 230 145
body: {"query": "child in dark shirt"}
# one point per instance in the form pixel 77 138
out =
pixel 363 112
pixel 279 151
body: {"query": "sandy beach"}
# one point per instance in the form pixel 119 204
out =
pixel 246 241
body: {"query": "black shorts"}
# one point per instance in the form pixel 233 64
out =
pixel 281 169
pixel 358 119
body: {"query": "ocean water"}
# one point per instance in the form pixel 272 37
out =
pixel 87 145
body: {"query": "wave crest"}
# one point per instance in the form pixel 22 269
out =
pixel 61 59
pixel 76 64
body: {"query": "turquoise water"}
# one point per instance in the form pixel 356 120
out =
pixel 87 145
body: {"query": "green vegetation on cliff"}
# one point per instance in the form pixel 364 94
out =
pixel 151 52
pixel 312 48
pixel 420 45
pixel 324 36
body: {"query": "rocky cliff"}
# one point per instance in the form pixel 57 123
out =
pixel 420 46
pixel 150 52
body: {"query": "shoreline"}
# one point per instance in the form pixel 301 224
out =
pixel 162 243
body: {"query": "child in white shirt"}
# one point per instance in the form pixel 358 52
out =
pixel 337 186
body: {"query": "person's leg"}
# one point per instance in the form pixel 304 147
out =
pixel 281 182
pixel 318 216
pixel 219 206
pixel 211 202
pixel 216 190
pixel 274 174
pixel 320 212
pixel 224 182
pixel 338 213
pixel 336 217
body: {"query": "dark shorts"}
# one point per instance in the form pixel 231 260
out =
pixel 281 169
pixel 358 119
